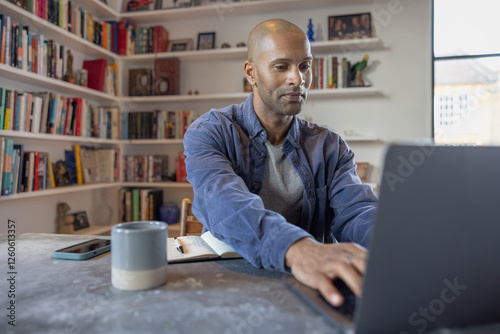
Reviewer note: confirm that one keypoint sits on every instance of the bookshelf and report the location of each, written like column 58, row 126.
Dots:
column 202, row 102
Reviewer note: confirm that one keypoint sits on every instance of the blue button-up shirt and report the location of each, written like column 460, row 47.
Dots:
column 225, row 163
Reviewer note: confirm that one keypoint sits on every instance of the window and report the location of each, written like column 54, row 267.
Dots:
column 466, row 72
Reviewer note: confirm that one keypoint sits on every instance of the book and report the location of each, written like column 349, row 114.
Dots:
column 96, row 73
column 7, row 167
column 198, row 248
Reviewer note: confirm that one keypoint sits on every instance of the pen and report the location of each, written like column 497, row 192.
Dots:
column 178, row 245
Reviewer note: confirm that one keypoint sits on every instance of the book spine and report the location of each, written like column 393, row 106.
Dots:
column 7, row 167
column 78, row 164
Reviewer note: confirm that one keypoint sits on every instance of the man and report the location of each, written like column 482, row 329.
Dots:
column 273, row 186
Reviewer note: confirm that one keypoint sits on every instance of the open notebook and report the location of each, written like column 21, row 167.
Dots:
column 198, row 248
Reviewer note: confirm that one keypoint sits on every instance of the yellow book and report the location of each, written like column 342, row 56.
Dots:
column 78, row 163
column 51, row 182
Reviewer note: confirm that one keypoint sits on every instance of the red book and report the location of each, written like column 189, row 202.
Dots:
column 78, row 120
column 160, row 39
column 122, row 36
column 36, row 170
column 96, row 73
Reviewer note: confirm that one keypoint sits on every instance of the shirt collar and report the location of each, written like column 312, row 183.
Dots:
column 255, row 127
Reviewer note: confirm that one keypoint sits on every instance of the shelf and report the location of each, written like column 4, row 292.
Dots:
column 349, row 45
column 347, row 92
column 58, row 191
column 94, row 230
column 221, row 10
column 152, row 141
column 186, row 98
column 63, row 138
column 195, row 55
column 314, row 93
column 346, row 45
column 156, row 184
column 60, row 86
column 51, row 31
column 361, row 139
column 100, row 9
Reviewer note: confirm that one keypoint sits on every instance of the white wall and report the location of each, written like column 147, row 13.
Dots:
column 400, row 69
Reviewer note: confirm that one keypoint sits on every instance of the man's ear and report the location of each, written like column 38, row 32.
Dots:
column 250, row 72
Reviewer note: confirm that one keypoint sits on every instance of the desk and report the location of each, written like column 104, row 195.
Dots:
column 223, row 297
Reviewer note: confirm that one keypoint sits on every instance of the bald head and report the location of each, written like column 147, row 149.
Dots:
column 259, row 34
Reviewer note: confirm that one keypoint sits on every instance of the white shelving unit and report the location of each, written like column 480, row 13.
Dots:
column 90, row 50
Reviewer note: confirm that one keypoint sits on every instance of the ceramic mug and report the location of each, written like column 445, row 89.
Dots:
column 139, row 255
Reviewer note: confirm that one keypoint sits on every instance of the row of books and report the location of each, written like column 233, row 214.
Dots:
column 23, row 171
column 75, row 19
column 26, row 171
column 139, row 40
column 23, row 49
column 139, row 204
column 158, row 124
column 153, row 168
column 45, row 112
column 145, row 168
column 30, row 52
column 331, row 72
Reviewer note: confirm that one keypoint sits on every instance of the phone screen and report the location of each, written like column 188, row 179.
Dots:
column 87, row 246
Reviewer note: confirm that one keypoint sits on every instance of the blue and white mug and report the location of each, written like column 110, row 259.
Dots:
column 139, row 255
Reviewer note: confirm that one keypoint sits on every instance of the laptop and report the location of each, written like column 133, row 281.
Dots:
column 435, row 247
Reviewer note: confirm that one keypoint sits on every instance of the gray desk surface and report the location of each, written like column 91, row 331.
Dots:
column 223, row 297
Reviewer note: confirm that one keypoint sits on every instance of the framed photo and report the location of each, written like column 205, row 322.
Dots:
column 349, row 26
column 180, row 45
column 206, row 40
column 136, row 5
column 80, row 220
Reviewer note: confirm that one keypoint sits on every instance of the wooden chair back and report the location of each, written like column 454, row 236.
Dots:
column 189, row 224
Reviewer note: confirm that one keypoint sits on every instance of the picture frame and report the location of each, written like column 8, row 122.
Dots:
column 349, row 26
column 206, row 41
column 137, row 5
column 180, row 45
column 80, row 220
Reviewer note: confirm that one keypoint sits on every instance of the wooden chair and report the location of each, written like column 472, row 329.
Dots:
column 189, row 224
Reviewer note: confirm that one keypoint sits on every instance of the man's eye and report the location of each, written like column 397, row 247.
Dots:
column 280, row 67
column 305, row 66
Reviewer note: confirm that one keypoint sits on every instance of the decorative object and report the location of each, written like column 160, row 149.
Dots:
column 206, row 40
column 180, row 45
column 170, row 213
column 362, row 171
column 136, row 5
column 64, row 220
column 310, row 31
column 167, row 76
column 83, row 77
column 225, row 46
column 68, row 76
column 139, row 82
column 247, row 88
column 80, row 220
column 241, row 45
column 349, row 26
column 356, row 70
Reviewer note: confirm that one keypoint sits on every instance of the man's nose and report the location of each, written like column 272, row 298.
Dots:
column 296, row 77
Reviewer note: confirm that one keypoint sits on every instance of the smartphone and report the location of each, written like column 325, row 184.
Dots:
column 84, row 250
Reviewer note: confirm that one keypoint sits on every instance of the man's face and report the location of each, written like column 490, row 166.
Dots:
column 283, row 69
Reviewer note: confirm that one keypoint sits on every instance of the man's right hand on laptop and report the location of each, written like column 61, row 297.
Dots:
column 317, row 265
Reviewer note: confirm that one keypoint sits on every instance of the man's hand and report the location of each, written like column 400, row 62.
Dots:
column 316, row 265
